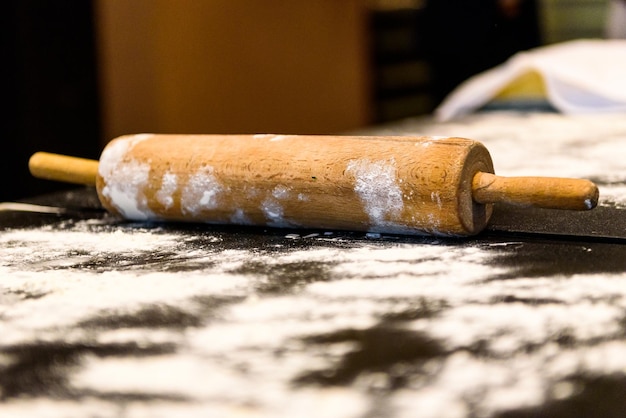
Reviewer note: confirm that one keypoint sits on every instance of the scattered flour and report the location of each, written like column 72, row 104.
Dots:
column 542, row 144
column 375, row 184
column 202, row 192
column 501, row 350
column 169, row 185
column 273, row 211
column 239, row 349
column 280, row 192
column 239, row 218
column 124, row 181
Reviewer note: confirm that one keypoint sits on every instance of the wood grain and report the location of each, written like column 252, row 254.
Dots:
column 541, row 192
column 395, row 184
column 386, row 184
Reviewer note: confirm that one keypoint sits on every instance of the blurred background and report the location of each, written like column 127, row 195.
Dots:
column 77, row 73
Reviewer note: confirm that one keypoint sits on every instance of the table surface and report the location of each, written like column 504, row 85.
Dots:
column 105, row 318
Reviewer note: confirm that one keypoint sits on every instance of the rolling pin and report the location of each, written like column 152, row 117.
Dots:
column 404, row 185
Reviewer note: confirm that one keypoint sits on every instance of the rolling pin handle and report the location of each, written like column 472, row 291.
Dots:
column 541, row 192
column 45, row 165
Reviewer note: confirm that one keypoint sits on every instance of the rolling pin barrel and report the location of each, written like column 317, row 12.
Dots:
column 407, row 185
column 401, row 185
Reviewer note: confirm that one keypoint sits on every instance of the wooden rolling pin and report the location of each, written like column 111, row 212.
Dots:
column 407, row 185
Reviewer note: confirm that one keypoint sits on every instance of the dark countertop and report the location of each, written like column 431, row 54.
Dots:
column 101, row 317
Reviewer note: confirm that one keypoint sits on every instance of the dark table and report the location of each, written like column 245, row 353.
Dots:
column 106, row 318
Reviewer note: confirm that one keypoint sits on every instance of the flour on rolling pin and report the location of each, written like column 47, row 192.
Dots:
column 407, row 185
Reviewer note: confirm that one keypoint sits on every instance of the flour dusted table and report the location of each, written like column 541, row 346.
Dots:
column 105, row 318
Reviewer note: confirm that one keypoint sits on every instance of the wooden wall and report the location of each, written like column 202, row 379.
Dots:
column 226, row 66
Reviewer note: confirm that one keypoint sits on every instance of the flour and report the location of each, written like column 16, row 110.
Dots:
column 169, row 185
column 124, row 187
column 542, row 144
column 201, row 192
column 273, row 211
column 124, row 180
column 375, row 184
column 238, row 349
column 508, row 336
column 280, row 192
column 436, row 197
column 85, row 237
column 239, row 218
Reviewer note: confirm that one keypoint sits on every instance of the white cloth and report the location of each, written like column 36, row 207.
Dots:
column 584, row 76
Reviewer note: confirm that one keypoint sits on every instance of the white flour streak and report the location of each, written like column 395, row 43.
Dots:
column 224, row 397
column 74, row 296
column 201, row 192
column 124, row 187
column 613, row 194
column 273, row 209
column 125, row 180
column 435, row 197
column 169, row 185
column 280, row 192
column 273, row 212
column 239, row 218
column 375, row 184
column 50, row 243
